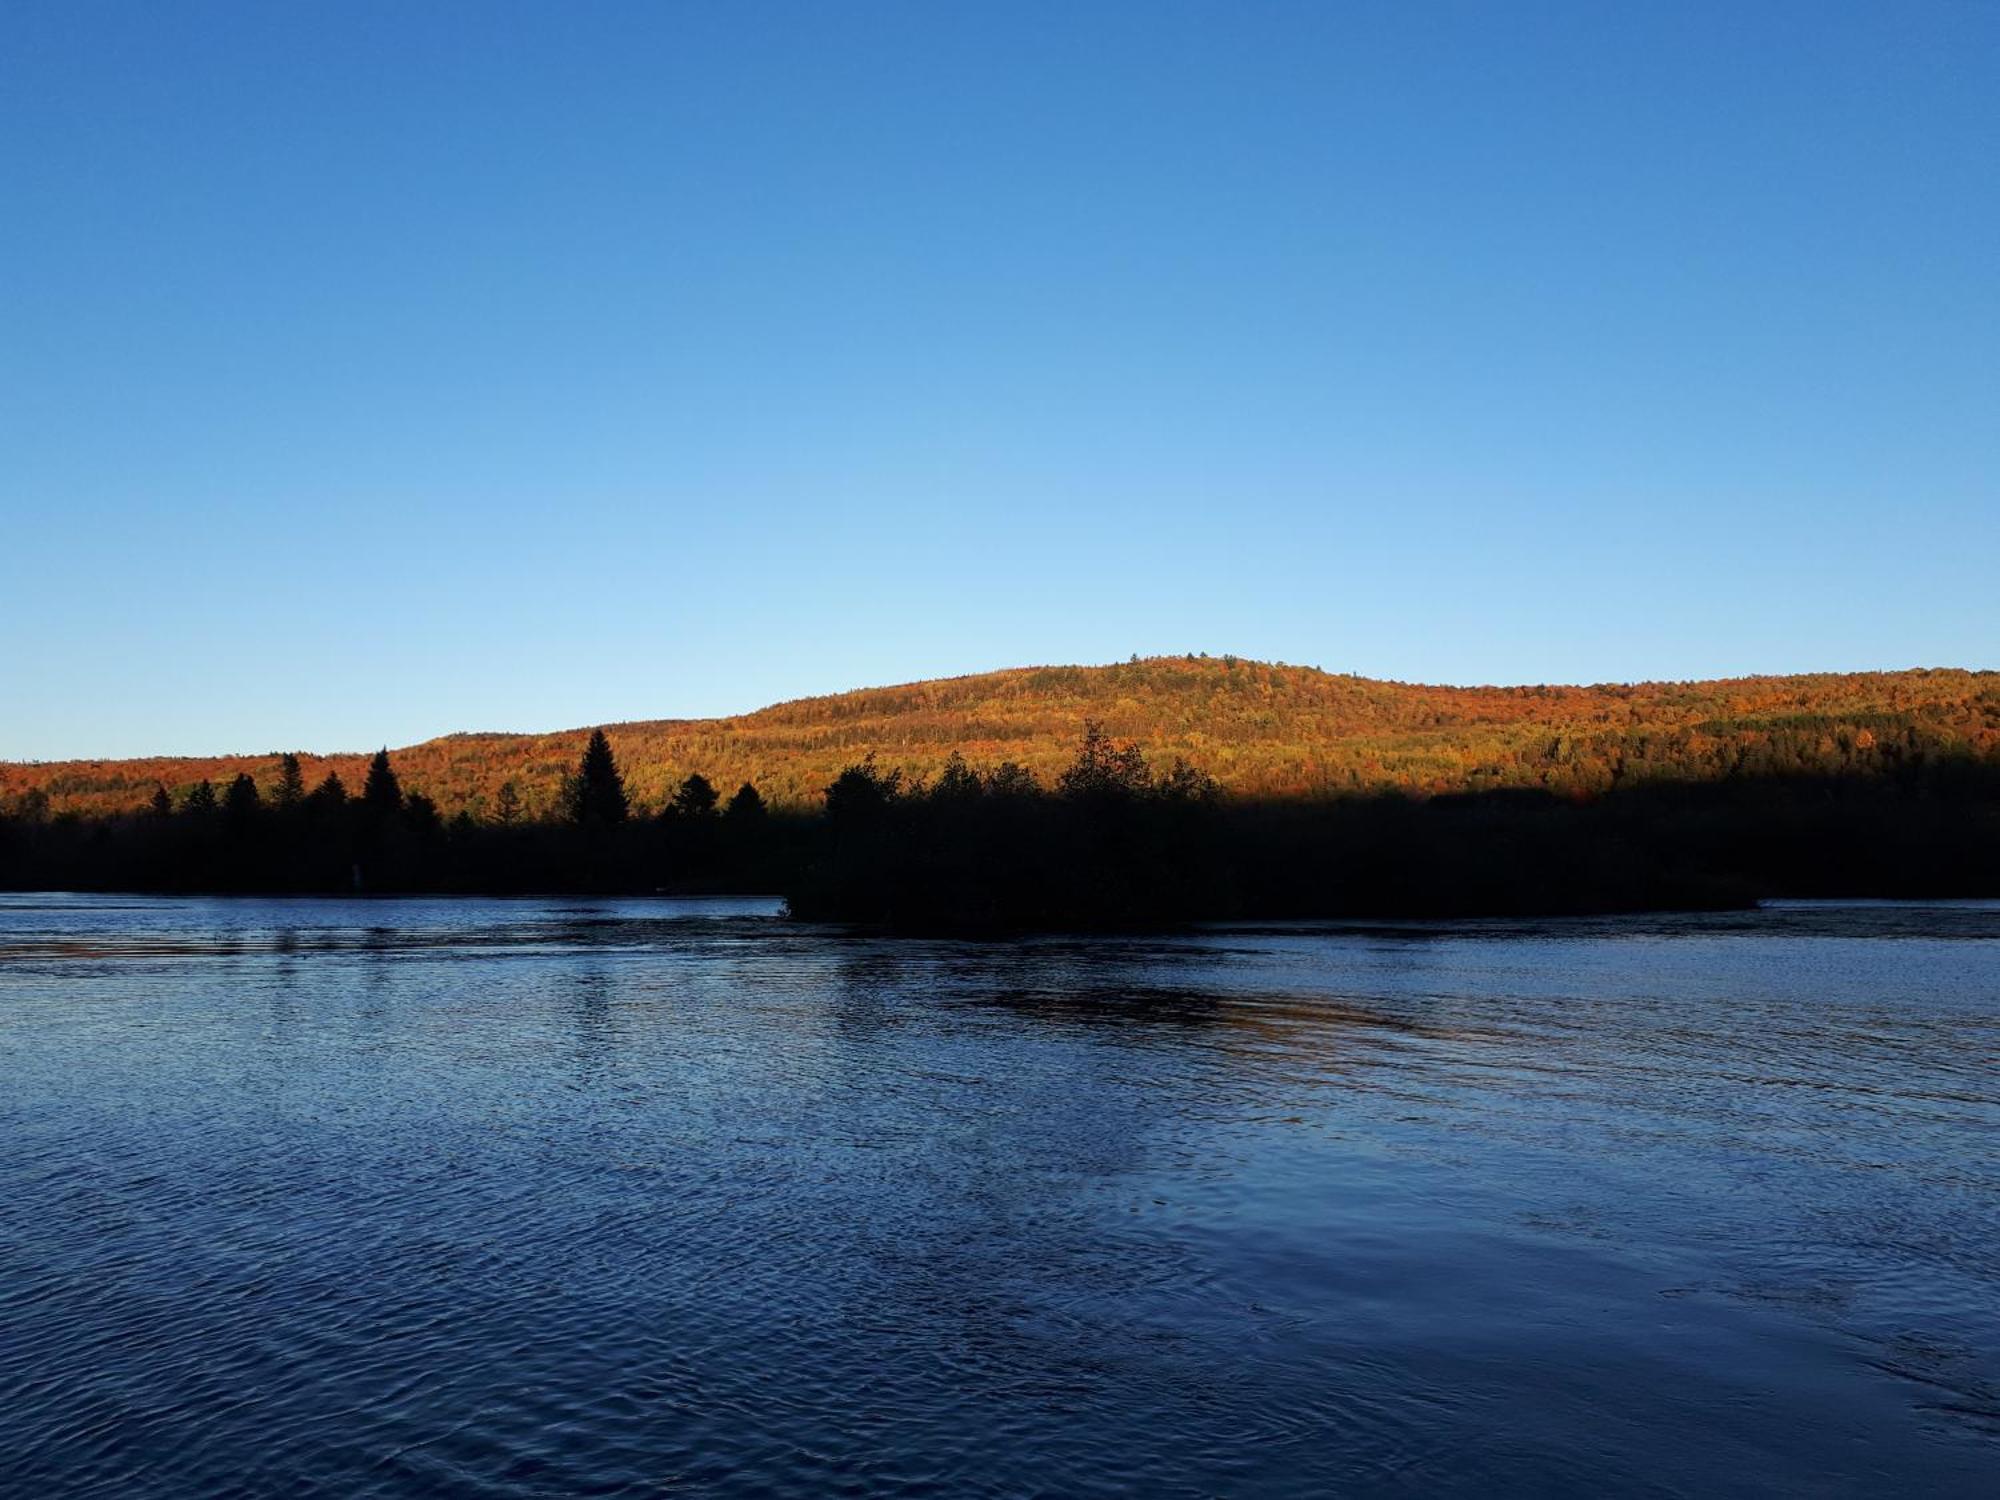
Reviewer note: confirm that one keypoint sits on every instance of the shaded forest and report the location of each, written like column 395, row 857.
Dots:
column 1112, row 840
column 1262, row 731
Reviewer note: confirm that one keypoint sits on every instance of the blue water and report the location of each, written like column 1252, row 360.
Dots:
column 554, row 1198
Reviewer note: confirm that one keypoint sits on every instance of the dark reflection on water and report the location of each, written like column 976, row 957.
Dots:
column 522, row 1198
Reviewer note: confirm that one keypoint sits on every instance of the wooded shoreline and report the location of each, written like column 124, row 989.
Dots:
column 1114, row 843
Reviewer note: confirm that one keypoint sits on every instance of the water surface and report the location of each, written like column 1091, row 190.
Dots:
column 552, row 1198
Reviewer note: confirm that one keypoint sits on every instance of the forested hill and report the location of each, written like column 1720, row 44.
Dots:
column 1260, row 729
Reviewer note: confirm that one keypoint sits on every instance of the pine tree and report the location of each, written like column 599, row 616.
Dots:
column 862, row 793
column 291, row 788
column 381, row 792
column 241, row 801
column 162, row 805
column 746, row 809
column 200, row 799
column 1104, row 771
column 696, row 799
column 508, row 806
column 597, row 792
column 331, row 794
column 420, row 816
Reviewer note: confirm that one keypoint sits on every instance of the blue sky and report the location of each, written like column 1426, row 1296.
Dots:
column 373, row 371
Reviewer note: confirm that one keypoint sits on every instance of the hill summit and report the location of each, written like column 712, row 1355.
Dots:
column 1261, row 729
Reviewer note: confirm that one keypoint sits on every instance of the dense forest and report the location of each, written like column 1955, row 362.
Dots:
column 1262, row 731
column 1111, row 840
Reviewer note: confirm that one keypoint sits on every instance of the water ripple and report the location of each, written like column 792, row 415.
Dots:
column 534, row 1199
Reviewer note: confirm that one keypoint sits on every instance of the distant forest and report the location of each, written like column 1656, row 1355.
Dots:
column 1871, row 804
column 1262, row 731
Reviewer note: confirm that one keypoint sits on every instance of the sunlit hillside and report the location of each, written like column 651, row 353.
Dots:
column 1260, row 729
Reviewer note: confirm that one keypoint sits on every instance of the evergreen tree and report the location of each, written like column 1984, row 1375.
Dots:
column 291, row 788
column 162, row 806
column 597, row 792
column 745, row 829
column 381, row 792
column 420, row 814
column 241, row 801
column 861, row 793
column 1103, row 771
column 330, row 795
column 508, row 806
column 695, row 800
column 746, row 809
column 200, row 800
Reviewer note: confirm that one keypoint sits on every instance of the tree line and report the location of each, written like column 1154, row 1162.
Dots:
column 387, row 838
column 1263, row 731
column 1110, row 841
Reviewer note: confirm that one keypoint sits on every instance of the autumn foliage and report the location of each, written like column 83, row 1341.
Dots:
column 1262, row 731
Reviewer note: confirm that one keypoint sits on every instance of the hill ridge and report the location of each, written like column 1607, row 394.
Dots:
column 1262, row 728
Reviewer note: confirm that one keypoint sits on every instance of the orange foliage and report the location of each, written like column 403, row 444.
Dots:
column 1260, row 729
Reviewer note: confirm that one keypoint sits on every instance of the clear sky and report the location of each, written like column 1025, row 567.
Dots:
column 373, row 371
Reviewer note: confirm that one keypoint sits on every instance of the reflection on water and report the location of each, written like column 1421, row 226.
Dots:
column 547, row 1198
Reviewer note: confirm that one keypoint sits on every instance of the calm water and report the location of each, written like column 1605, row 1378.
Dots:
column 471, row 1198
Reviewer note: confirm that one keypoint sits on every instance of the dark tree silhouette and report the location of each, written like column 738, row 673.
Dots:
column 957, row 782
column 420, row 815
column 1011, row 780
column 597, row 791
column 1821, row 806
column 861, row 793
column 695, row 799
column 1104, row 771
column 382, row 792
column 1182, row 782
column 291, row 788
column 241, row 801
